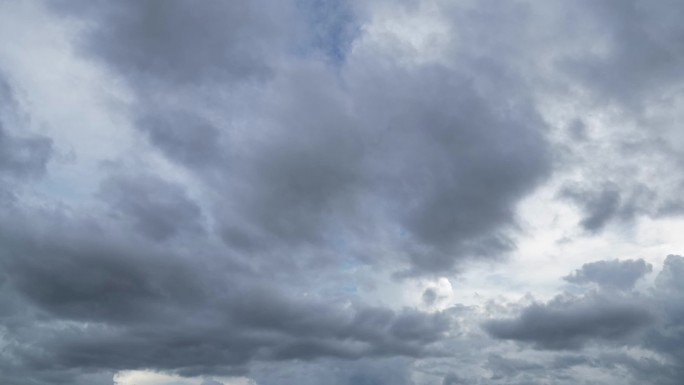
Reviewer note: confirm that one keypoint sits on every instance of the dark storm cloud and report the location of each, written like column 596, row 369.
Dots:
column 116, row 306
column 471, row 160
column 570, row 323
column 611, row 274
column 154, row 207
column 417, row 167
column 315, row 152
column 443, row 155
column 320, row 170
column 186, row 137
column 291, row 186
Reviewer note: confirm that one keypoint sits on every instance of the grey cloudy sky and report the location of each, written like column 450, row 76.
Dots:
column 405, row 192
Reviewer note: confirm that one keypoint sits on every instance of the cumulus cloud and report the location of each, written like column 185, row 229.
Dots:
column 315, row 150
column 611, row 274
column 120, row 306
column 600, row 324
column 279, row 173
column 569, row 323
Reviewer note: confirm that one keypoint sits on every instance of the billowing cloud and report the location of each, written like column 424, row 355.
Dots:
column 568, row 323
column 340, row 192
column 611, row 274
column 601, row 324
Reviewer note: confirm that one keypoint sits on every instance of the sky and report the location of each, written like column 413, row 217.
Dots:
column 307, row 192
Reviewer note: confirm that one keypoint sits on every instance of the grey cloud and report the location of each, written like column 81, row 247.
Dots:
column 623, row 59
column 668, row 336
column 451, row 199
column 186, row 137
column 414, row 167
column 211, row 382
column 609, row 202
column 12, row 377
column 642, row 54
column 178, row 58
column 112, row 284
column 429, row 296
column 372, row 371
column 452, row 379
column 669, row 277
column 20, row 155
column 578, row 130
column 183, row 43
column 332, row 27
column 305, row 176
column 603, row 323
column 316, row 152
column 154, row 207
column 570, row 323
column 23, row 156
column 318, row 157
column 134, row 307
column 502, row 367
column 599, row 207
column 611, row 274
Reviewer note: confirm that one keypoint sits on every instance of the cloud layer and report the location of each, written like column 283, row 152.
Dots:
column 297, row 191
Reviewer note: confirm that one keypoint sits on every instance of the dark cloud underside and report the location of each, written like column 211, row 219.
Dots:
column 276, row 162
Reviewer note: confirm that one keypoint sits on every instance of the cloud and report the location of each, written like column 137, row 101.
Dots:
column 570, row 323
column 211, row 382
column 182, row 43
column 300, row 150
column 503, row 367
column 24, row 155
column 600, row 324
column 285, row 165
column 115, row 305
column 452, row 379
column 640, row 55
column 154, row 207
column 611, row 274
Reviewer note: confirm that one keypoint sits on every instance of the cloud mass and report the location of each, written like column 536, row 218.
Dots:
column 309, row 191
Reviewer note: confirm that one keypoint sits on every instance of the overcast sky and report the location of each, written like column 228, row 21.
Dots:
column 341, row 192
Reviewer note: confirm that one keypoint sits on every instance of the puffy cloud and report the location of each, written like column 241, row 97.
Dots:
column 298, row 150
column 288, row 158
column 115, row 305
column 611, row 274
column 599, row 325
column 569, row 323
